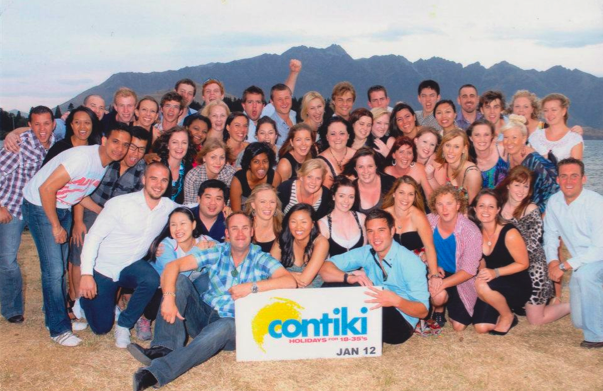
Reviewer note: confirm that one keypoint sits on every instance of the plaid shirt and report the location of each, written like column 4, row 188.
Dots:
column 198, row 175
column 16, row 169
column 113, row 185
column 257, row 266
column 430, row 120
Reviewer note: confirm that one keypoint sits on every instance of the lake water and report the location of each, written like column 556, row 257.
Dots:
column 593, row 161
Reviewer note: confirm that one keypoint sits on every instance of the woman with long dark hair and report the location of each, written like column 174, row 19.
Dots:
column 82, row 128
column 343, row 226
column 296, row 149
column 301, row 248
column 403, row 121
column 176, row 151
column 487, row 153
column 517, row 207
column 402, row 161
column 237, row 126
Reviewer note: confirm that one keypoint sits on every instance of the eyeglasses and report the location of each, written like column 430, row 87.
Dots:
column 140, row 150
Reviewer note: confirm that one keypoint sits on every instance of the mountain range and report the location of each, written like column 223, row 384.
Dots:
column 323, row 68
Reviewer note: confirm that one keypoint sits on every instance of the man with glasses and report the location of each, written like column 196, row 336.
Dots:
column 404, row 297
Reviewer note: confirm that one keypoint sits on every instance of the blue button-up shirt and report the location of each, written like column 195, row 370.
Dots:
column 223, row 275
column 406, row 273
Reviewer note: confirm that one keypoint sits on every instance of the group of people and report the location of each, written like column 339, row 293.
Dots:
column 158, row 213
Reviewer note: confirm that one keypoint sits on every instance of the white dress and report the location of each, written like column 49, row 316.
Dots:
column 561, row 148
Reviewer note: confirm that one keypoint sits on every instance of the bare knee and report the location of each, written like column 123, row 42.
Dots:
column 482, row 328
column 456, row 326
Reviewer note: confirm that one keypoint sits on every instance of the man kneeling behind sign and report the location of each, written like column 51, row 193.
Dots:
column 402, row 274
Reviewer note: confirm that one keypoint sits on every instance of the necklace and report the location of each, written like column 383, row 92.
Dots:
column 489, row 242
column 339, row 162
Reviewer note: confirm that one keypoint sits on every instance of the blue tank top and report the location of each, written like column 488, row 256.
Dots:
column 446, row 250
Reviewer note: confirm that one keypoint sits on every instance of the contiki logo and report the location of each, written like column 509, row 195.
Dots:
column 283, row 319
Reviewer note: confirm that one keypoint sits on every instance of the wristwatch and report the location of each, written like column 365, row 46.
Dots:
column 254, row 287
column 562, row 267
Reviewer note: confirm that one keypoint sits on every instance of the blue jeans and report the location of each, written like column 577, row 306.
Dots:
column 53, row 263
column 11, row 282
column 100, row 311
column 209, row 331
column 586, row 300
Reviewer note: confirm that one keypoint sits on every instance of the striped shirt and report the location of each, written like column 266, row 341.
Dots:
column 16, row 169
column 223, row 275
column 468, row 254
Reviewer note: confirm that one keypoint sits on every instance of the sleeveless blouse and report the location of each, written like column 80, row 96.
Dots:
column 336, row 248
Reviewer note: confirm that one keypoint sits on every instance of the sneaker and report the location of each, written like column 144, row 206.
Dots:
column 422, row 329
column 434, row 327
column 143, row 329
column 122, row 337
column 439, row 318
column 78, row 325
column 67, row 339
column 591, row 345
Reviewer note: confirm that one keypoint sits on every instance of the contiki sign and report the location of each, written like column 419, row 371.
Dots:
column 293, row 324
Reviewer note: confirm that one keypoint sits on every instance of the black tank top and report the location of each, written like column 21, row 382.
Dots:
column 411, row 240
column 500, row 257
column 242, row 177
column 329, row 165
column 295, row 165
column 266, row 246
column 334, row 247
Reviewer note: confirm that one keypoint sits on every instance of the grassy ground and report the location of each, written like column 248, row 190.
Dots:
column 529, row 358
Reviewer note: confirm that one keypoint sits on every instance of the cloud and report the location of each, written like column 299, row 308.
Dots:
column 568, row 39
column 393, row 34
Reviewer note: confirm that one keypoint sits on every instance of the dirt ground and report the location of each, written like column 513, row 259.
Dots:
column 529, row 358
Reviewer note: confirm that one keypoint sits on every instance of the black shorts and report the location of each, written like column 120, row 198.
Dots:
column 455, row 306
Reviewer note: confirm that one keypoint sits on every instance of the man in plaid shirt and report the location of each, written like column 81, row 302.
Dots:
column 16, row 169
column 236, row 269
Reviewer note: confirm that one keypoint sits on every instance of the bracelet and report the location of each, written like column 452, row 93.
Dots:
column 496, row 273
column 169, row 294
column 345, row 278
column 434, row 276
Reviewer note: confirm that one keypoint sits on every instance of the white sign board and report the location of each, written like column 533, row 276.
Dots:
column 291, row 324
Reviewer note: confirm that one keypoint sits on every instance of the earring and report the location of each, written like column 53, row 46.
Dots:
column 393, row 162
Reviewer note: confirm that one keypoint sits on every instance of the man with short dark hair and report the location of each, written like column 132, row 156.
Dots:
column 187, row 89
column 429, row 95
column 576, row 215
column 172, row 107
column 468, row 99
column 113, row 253
column 236, row 269
column 16, row 169
column 492, row 105
column 213, row 196
column 253, row 103
column 47, row 200
column 405, row 298
column 377, row 97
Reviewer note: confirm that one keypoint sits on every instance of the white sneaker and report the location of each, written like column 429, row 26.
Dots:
column 67, row 339
column 122, row 337
column 79, row 325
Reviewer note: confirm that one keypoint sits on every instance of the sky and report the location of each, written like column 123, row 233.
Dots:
column 51, row 51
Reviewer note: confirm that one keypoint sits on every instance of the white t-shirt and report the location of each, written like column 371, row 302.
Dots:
column 85, row 169
column 561, row 148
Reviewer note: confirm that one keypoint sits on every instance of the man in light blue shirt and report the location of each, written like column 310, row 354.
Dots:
column 405, row 298
column 576, row 215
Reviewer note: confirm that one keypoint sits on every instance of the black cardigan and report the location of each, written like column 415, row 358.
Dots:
column 284, row 194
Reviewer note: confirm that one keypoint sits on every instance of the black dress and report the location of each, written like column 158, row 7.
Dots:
column 411, row 240
column 334, row 247
column 516, row 288
column 387, row 181
column 295, row 165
